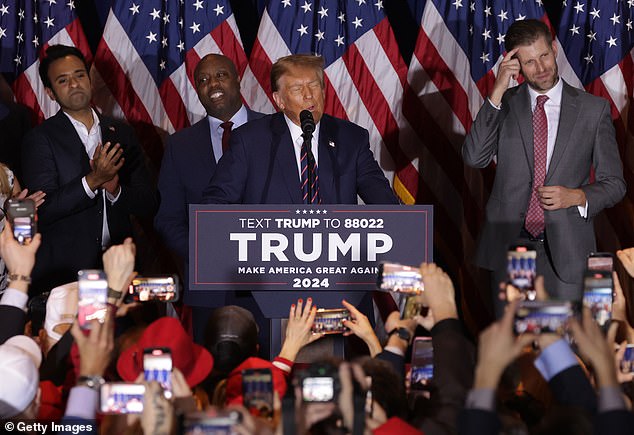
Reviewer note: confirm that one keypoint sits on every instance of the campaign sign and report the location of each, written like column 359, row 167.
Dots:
column 303, row 247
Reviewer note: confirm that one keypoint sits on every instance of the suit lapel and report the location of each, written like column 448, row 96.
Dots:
column 285, row 156
column 327, row 150
column 520, row 106
column 204, row 149
column 66, row 136
column 568, row 114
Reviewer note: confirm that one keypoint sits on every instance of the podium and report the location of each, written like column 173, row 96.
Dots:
column 285, row 252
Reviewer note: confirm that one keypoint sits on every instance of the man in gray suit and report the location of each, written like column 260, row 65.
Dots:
column 545, row 148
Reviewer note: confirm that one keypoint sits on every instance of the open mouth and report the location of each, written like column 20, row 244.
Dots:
column 216, row 95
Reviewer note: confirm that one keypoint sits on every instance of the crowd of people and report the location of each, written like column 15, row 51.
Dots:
column 136, row 367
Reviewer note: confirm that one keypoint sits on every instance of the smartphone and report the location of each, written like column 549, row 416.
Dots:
column 330, row 321
column 157, row 366
column 521, row 269
column 601, row 261
column 21, row 214
column 413, row 306
column 92, row 296
column 422, row 369
column 544, row 317
column 257, row 392
column 319, row 383
column 153, row 288
column 598, row 290
column 627, row 363
column 122, row 398
column 211, row 422
column 399, row 278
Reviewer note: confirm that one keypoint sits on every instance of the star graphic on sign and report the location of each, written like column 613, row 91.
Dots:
column 574, row 30
column 319, row 35
column 611, row 41
column 151, row 37
column 162, row 65
column 588, row 58
column 297, row 212
column 357, row 22
column 342, row 17
column 49, row 22
column 484, row 57
column 312, row 211
column 595, row 13
column 134, row 9
column 195, row 27
column 3, row 33
column 303, row 30
column 304, row 211
column 503, row 15
column 155, row 14
column 339, row 40
column 500, row 38
column 164, row 41
column 286, row 3
column 71, row 4
column 579, row 7
column 180, row 46
column 592, row 36
column 219, row 9
column 486, row 34
column 20, row 37
column 324, row 211
column 198, row 4
column 4, row 9
column 615, row 19
column 306, row 7
column 379, row 4
column 457, row 4
column 323, row 12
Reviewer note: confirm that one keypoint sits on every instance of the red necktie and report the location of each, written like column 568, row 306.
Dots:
column 535, row 216
column 226, row 127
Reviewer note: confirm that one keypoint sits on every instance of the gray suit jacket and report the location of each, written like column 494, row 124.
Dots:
column 585, row 139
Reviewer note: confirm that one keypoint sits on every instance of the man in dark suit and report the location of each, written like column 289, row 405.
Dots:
column 92, row 170
column 190, row 161
column 545, row 148
column 263, row 165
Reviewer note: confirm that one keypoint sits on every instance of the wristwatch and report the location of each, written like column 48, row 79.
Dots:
column 92, row 382
column 403, row 334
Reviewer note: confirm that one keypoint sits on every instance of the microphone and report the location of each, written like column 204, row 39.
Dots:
column 307, row 122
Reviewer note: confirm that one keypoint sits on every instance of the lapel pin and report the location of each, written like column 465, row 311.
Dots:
column 111, row 128
column 331, row 144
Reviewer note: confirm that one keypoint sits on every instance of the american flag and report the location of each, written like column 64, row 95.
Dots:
column 27, row 28
column 364, row 71
column 452, row 70
column 597, row 38
column 145, row 62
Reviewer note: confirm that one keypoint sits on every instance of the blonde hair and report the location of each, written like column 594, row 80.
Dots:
column 5, row 185
column 283, row 65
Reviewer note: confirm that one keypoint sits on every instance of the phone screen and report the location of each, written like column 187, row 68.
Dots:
column 601, row 261
column 330, row 321
column 422, row 371
column 158, row 288
column 597, row 295
column 318, row 389
column 399, row 278
column 257, row 392
column 522, row 269
column 93, row 295
column 22, row 216
column 543, row 317
column 157, row 366
column 122, row 398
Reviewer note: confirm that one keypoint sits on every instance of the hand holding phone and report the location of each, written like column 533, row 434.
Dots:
column 522, row 269
column 23, row 219
column 92, row 297
column 399, row 278
column 330, row 321
column 257, row 392
column 157, row 366
column 422, row 367
column 153, row 288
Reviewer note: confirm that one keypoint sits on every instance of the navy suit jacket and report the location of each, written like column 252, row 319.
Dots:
column 187, row 166
column 55, row 161
column 260, row 166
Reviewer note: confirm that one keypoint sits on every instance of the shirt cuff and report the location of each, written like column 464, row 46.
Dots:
column 283, row 364
column 82, row 403
column 14, row 298
column 610, row 399
column 481, row 398
column 91, row 193
column 493, row 105
column 555, row 359
column 583, row 211
column 112, row 198
column 394, row 349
